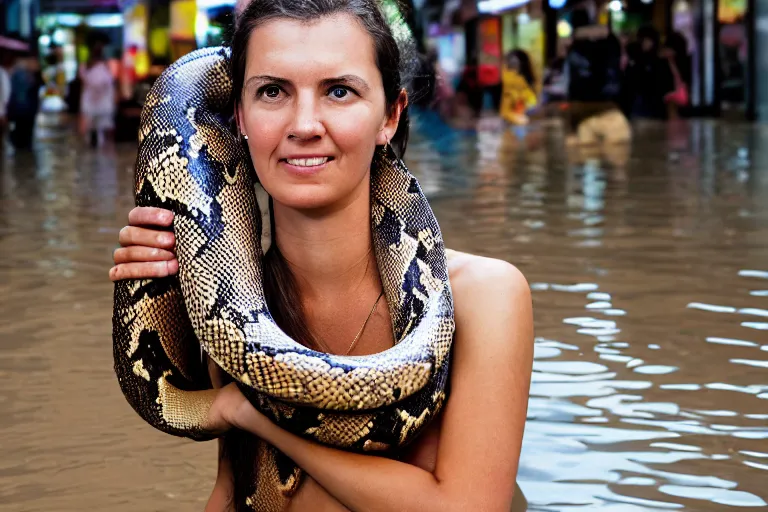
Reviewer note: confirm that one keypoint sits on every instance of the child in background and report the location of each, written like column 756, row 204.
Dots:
column 518, row 88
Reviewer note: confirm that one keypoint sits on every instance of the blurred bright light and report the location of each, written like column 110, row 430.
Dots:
column 104, row 20
column 556, row 4
column 201, row 27
column 59, row 37
column 523, row 18
column 210, row 4
column 45, row 40
column 615, row 5
column 564, row 29
column 69, row 20
column 486, row 6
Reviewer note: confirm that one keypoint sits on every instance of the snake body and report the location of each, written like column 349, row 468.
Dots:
column 190, row 162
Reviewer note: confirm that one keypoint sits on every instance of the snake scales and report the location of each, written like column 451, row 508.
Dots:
column 190, row 162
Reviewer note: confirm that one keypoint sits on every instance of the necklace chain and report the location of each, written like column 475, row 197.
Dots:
column 359, row 333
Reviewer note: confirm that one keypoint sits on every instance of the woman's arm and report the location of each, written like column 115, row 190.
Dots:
column 483, row 421
column 223, row 490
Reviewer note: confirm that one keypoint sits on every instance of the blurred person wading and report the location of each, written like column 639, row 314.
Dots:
column 593, row 82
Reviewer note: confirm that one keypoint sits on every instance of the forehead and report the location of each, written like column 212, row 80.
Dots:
column 330, row 46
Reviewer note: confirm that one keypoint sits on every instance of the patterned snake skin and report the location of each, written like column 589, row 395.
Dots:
column 190, row 162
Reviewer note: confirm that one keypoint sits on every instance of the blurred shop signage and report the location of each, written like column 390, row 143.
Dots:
column 489, row 52
column 135, row 25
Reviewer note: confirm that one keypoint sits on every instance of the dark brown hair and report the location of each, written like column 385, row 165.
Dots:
column 395, row 59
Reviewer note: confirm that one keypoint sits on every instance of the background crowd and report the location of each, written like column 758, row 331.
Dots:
column 597, row 85
column 91, row 97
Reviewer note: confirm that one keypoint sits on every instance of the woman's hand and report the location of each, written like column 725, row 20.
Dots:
column 230, row 409
column 147, row 248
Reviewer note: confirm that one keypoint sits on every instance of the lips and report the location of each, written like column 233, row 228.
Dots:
column 308, row 162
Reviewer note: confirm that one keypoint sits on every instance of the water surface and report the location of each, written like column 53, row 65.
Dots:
column 650, row 275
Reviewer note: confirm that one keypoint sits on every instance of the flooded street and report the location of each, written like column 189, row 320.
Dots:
column 649, row 267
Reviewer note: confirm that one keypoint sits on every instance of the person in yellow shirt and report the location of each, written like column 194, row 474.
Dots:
column 518, row 88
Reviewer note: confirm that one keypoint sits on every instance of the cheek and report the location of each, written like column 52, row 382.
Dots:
column 265, row 130
column 354, row 130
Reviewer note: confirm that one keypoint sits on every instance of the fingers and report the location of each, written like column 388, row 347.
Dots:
column 132, row 235
column 150, row 216
column 141, row 254
column 150, row 270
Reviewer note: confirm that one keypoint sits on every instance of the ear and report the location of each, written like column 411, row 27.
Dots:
column 389, row 127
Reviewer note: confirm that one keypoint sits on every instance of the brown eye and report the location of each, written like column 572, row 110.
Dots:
column 271, row 91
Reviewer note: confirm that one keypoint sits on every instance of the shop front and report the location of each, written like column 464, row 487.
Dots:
column 761, row 60
column 62, row 47
column 722, row 37
column 523, row 29
column 214, row 20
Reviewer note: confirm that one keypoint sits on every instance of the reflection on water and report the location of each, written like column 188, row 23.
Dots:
column 649, row 267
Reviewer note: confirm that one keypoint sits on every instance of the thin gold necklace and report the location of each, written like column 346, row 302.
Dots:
column 359, row 333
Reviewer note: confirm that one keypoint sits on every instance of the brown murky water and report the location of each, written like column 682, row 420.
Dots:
column 650, row 277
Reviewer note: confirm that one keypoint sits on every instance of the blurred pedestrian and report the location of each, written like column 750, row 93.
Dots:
column 5, row 96
column 24, row 103
column 469, row 95
column 649, row 77
column 676, row 53
column 593, row 77
column 554, row 82
column 518, row 84
column 98, row 95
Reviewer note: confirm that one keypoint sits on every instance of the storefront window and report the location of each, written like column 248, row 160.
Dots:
column 733, row 47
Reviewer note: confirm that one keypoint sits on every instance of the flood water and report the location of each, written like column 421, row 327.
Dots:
column 649, row 268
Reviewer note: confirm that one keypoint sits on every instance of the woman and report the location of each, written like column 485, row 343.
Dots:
column 98, row 95
column 316, row 91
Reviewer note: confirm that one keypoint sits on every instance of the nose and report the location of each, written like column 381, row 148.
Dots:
column 307, row 124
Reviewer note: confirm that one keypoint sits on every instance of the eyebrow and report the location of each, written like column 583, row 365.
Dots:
column 350, row 80
column 265, row 78
column 353, row 81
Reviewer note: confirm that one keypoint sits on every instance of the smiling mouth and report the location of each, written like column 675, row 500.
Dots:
column 308, row 162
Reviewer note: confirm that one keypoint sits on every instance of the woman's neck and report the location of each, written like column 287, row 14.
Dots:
column 329, row 253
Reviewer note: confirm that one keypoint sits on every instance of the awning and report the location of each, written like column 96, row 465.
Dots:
column 13, row 44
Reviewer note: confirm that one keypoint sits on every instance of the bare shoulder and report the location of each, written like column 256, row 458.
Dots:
column 472, row 277
column 492, row 299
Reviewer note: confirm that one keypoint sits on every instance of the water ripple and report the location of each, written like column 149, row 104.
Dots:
column 647, row 270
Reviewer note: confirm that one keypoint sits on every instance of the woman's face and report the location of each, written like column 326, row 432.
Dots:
column 313, row 108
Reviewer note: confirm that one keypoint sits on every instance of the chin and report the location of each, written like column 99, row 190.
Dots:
column 307, row 197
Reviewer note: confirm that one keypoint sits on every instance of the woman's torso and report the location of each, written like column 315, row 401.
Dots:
column 376, row 338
